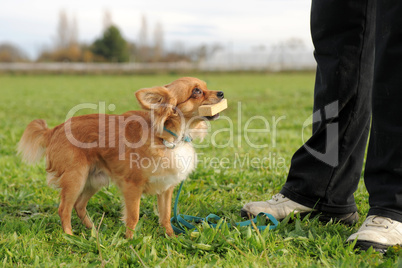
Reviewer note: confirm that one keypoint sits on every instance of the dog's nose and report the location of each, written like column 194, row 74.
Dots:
column 220, row 94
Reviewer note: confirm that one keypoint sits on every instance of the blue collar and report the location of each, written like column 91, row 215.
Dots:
column 185, row 138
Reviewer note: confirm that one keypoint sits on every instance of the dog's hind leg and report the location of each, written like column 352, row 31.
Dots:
column 93, row 184
column 72, row 183
column 81, row 204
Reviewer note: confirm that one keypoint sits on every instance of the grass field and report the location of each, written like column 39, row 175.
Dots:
column 30, row 230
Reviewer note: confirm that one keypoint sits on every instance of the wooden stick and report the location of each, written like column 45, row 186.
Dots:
column 213, row 109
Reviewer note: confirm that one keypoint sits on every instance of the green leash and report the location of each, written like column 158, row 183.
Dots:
column 180, row 223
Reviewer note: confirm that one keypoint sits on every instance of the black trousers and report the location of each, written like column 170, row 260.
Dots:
column 358, row 91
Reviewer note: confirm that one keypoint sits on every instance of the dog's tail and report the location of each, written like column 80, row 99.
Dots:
column 34, row 141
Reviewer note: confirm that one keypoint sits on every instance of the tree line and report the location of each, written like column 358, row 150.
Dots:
column 111, row 46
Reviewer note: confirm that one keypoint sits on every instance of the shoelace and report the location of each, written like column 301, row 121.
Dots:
column 277, row 197
column 375, row 223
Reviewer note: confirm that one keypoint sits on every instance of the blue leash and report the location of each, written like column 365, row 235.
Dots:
column 185, row 138
column 180, row 223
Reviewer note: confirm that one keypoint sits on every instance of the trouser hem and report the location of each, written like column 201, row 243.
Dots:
column 388, row 213
column 316, row 204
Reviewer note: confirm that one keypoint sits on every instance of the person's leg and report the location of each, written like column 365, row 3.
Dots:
column 325, row 171
column 344, row 50
column 383, row 172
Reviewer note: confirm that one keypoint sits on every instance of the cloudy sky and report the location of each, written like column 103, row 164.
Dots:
column 237, row 24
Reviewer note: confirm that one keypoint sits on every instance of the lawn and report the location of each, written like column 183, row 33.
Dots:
column 245, row 158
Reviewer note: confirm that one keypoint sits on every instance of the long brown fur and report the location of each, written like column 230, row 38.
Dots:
column 85, row 151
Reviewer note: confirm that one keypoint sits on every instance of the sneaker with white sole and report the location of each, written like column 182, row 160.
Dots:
column 280, row 207
column 378, row 232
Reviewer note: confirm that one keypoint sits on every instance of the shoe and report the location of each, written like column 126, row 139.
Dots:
column 378, row 232
column 280, row 207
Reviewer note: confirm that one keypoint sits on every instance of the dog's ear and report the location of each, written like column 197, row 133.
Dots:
column 160, row 101
column 151, row 97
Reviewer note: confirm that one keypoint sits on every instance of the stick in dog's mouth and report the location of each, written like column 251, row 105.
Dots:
column 211, row 112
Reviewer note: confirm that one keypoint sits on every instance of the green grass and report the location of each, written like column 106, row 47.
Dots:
column 30, row 230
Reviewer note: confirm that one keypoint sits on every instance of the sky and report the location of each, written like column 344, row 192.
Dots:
column 240, row 25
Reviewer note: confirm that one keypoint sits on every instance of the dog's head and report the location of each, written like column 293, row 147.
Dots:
column 181, row 98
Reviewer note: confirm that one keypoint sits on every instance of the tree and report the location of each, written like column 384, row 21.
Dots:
column 11, row 53
column 204, row 51
column 73, row 32
column 62, row 31
column 107, row 19
column 67, row 48
column 158, row 42
column 143, row 46
column 112, row 46
column 67, row 31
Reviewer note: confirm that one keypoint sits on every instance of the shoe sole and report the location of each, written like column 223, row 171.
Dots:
column 365, row 245
column 347, row 219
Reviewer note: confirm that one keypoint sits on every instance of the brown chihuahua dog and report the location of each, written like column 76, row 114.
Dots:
column 143, row 152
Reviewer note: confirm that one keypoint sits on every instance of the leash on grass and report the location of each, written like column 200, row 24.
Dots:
column 180, row 223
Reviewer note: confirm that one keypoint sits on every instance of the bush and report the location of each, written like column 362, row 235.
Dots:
column 72, row 53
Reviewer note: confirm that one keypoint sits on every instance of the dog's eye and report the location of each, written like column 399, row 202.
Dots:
column 197, row 91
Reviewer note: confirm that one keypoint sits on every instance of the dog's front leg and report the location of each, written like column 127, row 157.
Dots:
column 165, row 210
column 132, row 197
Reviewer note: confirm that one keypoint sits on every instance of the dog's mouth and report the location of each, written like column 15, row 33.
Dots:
column 212, row 118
